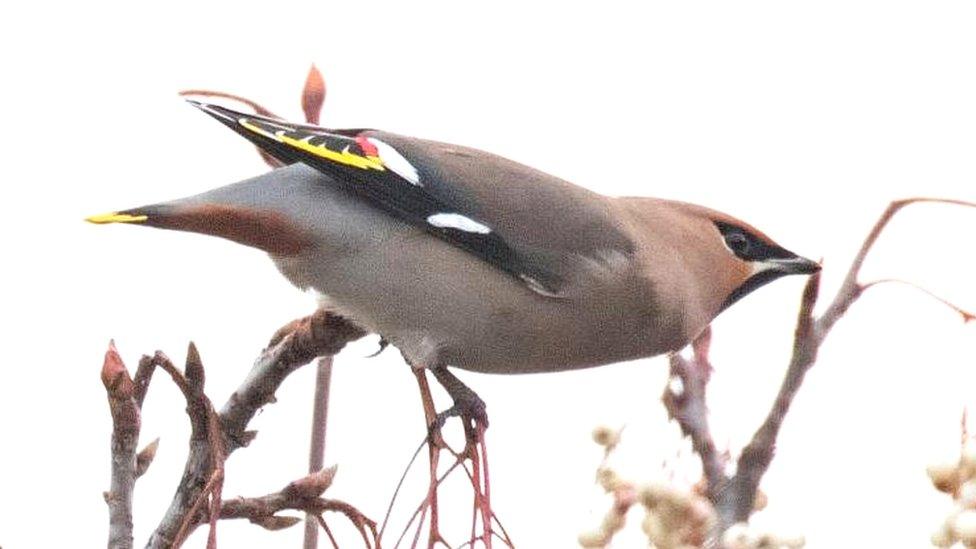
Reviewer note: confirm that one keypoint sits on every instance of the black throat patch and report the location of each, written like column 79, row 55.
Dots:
column 752, row 283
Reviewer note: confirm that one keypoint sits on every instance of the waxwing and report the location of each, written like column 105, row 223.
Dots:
column 460, row 257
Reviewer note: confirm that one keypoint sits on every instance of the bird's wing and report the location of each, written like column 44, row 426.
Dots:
column 525, row 222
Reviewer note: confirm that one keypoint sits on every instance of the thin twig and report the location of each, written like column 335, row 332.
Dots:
column 967, row 316
column 424, row 504
column 399, row 486
column 684, row 399
column 316, row 458
column 142, row 378
column 259, row 109
column 328, row 532
column 850, row 289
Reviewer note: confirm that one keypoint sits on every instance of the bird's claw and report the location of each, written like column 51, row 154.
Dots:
column 472, row 411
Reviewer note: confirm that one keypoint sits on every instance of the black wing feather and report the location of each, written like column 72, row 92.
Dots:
column 350, row 163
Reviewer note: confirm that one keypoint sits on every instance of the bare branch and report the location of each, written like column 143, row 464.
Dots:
column 125, row 437
column 320, row 334
column 205, row 429
column 301, row 495
column 735, row 502
column 684, row 399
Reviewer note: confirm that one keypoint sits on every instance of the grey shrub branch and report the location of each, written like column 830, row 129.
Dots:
column 297, row 344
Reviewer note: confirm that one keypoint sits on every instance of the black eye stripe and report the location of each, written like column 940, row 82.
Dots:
column 747, row 246
column 737, row 242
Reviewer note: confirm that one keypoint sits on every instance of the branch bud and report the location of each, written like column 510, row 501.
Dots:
column 313, row 95
column 145, row 457
column 275, row 522
column 115, row 376
column 312, row 485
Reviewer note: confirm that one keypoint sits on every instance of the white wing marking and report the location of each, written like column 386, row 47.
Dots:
column 395, row 161
column 457, row 221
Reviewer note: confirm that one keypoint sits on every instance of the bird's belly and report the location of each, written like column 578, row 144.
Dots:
column 441, row 305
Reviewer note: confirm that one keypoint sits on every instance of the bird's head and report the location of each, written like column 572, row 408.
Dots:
column 754, row 258
column 706, row 260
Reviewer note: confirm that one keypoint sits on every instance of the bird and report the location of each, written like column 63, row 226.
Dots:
column 463, row 258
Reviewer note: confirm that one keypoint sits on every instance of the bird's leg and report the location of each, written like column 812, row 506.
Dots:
column 473, row 413
column 435, row 443
column 467, row 404
column 471, row 409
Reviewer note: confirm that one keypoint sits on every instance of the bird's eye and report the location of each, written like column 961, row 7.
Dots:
column 738, row 243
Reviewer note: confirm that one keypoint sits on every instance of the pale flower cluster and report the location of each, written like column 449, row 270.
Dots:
column 958, row 479
column 675, row 517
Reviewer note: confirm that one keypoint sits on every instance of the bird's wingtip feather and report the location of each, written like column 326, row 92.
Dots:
column 115, row 217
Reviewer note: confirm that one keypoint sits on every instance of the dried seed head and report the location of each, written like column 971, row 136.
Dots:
column 654, row 529
column 608, row 479
column 701, row 514
column 943, row 537
column 944, row 476
column 613, row 521
column 652, row 495
column 606, row 437
column 761, row 501
column 794, row 542
column 739, row 536
column 967, row 494
column 592, row 540
column 967, row 460
column 964, row 527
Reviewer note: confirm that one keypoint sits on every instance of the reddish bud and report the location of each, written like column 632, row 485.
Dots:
column 313, row 95
column 115, row 376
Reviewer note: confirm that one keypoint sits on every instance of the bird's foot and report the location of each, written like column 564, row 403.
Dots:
column 474, row 416
column 467, row 405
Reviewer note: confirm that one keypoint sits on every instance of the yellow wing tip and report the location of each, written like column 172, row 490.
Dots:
column 115, row 217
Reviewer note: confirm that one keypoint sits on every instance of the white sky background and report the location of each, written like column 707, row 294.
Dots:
column 803, row 119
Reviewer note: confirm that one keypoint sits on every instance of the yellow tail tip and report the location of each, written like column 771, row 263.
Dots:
column 115, row 217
